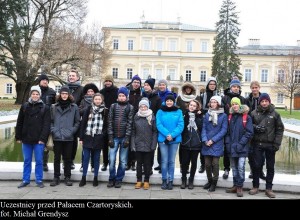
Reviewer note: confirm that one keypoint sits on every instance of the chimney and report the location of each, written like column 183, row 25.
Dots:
column 298, row 43
column 254, row 42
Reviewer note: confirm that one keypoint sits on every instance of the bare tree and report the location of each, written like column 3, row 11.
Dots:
column 287, row 82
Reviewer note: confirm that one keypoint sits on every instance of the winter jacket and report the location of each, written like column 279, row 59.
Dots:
column 33, row 123
column 48, row 95
column 205, row 97
column 65, row 123
column 77, row 92
column 191, row 139
column 144, row 135
column 85, row 103
column 135, row 97
column 226, row 99
column 238, row 137
column 216, row 134
column 97, row 141
column 252, row 102
column 154, row 101
column 274, row 127
column 183, row 105
column 169, row 122
column 110, row 95
column 120, row 120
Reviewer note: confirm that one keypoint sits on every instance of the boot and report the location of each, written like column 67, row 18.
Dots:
column 82, row 181
column 270, row 193
column 231, row 190
column 55, row 181
column 170, row 185
column 95, row 181
column 183, row 183
column 239, row 192
column 164, row 184
column 208, row 184
column 68, row 181
column 213, row 186
column 191, row 183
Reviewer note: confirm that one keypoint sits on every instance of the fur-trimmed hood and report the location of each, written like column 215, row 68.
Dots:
column 91, row 86
column 187, row 84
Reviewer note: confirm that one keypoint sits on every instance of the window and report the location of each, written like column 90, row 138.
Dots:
column 146, row 73
column 247, row 94
column 297, row 76
column 8, row 88
column 189, row 46
column 172, row 45
column 264, row 75
column 204, row 46
column 159, row 44
column 248, row 73
column 172, row 74
column 280, row 98
column 116, row 44
column 147, row 44
column 203, row 76
column 280, row 76
column 129, row 73
column 188, row 75
column 130, row 44
column 159, row 74
column 115, row 72
column 57, row 88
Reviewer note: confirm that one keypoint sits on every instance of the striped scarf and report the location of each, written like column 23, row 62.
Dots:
column 95, row 121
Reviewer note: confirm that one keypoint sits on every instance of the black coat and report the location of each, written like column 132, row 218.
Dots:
column 97, row 141
column 110, row 95
column 33, row 123
column 48, row 95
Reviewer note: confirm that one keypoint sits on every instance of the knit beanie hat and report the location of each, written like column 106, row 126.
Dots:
column 151, row 82
column 163, row 81
column 170, row 96
column 64, row 89
column 236, row 101
column 217, row 98
column 35, row 88
column 42, row 77
column 264, row 96
column 136, row 77
column 144, row 102
column 123, row 90
column 109, row 78
column 235, row 82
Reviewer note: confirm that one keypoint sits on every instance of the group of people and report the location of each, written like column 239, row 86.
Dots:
column 134, row 120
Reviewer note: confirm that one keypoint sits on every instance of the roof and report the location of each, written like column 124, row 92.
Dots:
column 161, row 26
column 274, row 50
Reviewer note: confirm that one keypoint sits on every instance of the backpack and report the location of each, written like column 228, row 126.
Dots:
column 245, row 115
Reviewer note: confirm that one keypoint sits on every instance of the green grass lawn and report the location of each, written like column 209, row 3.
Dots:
column 286, row 114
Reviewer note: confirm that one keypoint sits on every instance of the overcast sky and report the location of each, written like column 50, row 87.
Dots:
column 274, row 22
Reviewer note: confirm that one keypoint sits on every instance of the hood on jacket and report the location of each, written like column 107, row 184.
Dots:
column 208, row 81
column 91, row 86
column 187, row 84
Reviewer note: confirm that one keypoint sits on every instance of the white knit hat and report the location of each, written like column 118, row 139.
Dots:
column 35, row 88
column 217, row 98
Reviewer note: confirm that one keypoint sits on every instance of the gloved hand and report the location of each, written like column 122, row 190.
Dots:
column 111, row 142
column 126, row 142
column 275, row 148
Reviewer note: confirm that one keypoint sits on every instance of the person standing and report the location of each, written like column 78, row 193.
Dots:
column 169, row 122
column 213, row 132
column 76, row 90
column 119, row 132
column 48, row 97
column 92, row 129
column 64, row 126
column 32, row 130
column 143, row 141
column 110, row 94
column 240, row 132
column 268, row 128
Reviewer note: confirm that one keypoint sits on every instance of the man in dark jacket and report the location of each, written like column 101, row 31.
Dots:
column 110, row 93
column 48, row 97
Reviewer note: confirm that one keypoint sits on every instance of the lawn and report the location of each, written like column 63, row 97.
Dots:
column 8, row 105
column 286, row 114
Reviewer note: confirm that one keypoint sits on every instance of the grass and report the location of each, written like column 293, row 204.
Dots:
column 286, row 114
column 8, row 105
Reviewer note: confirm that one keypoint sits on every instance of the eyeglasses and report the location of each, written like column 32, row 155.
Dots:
column 212, row 84
column 136, row 82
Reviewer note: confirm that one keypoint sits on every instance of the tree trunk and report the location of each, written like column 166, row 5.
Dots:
column 22, row 89
column 291, row 102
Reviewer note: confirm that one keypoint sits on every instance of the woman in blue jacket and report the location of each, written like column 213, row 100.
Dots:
column 169, row 122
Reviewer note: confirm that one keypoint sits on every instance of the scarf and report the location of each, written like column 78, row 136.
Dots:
column 146, row 114
column 73, row 86
column 188, row 98
column 64, row 103
column 169, row 109
column 192, row 123
column 34, row 102
column 95, row 121
column 213, row 115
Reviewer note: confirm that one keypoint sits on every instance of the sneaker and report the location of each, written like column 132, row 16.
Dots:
column 23, row 184
column 226, row 174
column 104, row 167
column 201, row 169
column 270, row 193
column 45, row 168
column 40, row 184
column 81, row 169
column 118, row 184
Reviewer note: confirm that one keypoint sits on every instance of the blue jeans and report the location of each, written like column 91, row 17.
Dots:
column 168, row 154
column 123, row 153
column 38, row 150
column 238, row 170
column 86, row 159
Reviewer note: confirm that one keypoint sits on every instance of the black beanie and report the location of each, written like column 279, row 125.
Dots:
column 170, row 96
column 64, row 89
column 151, row 82
column 42, row 77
